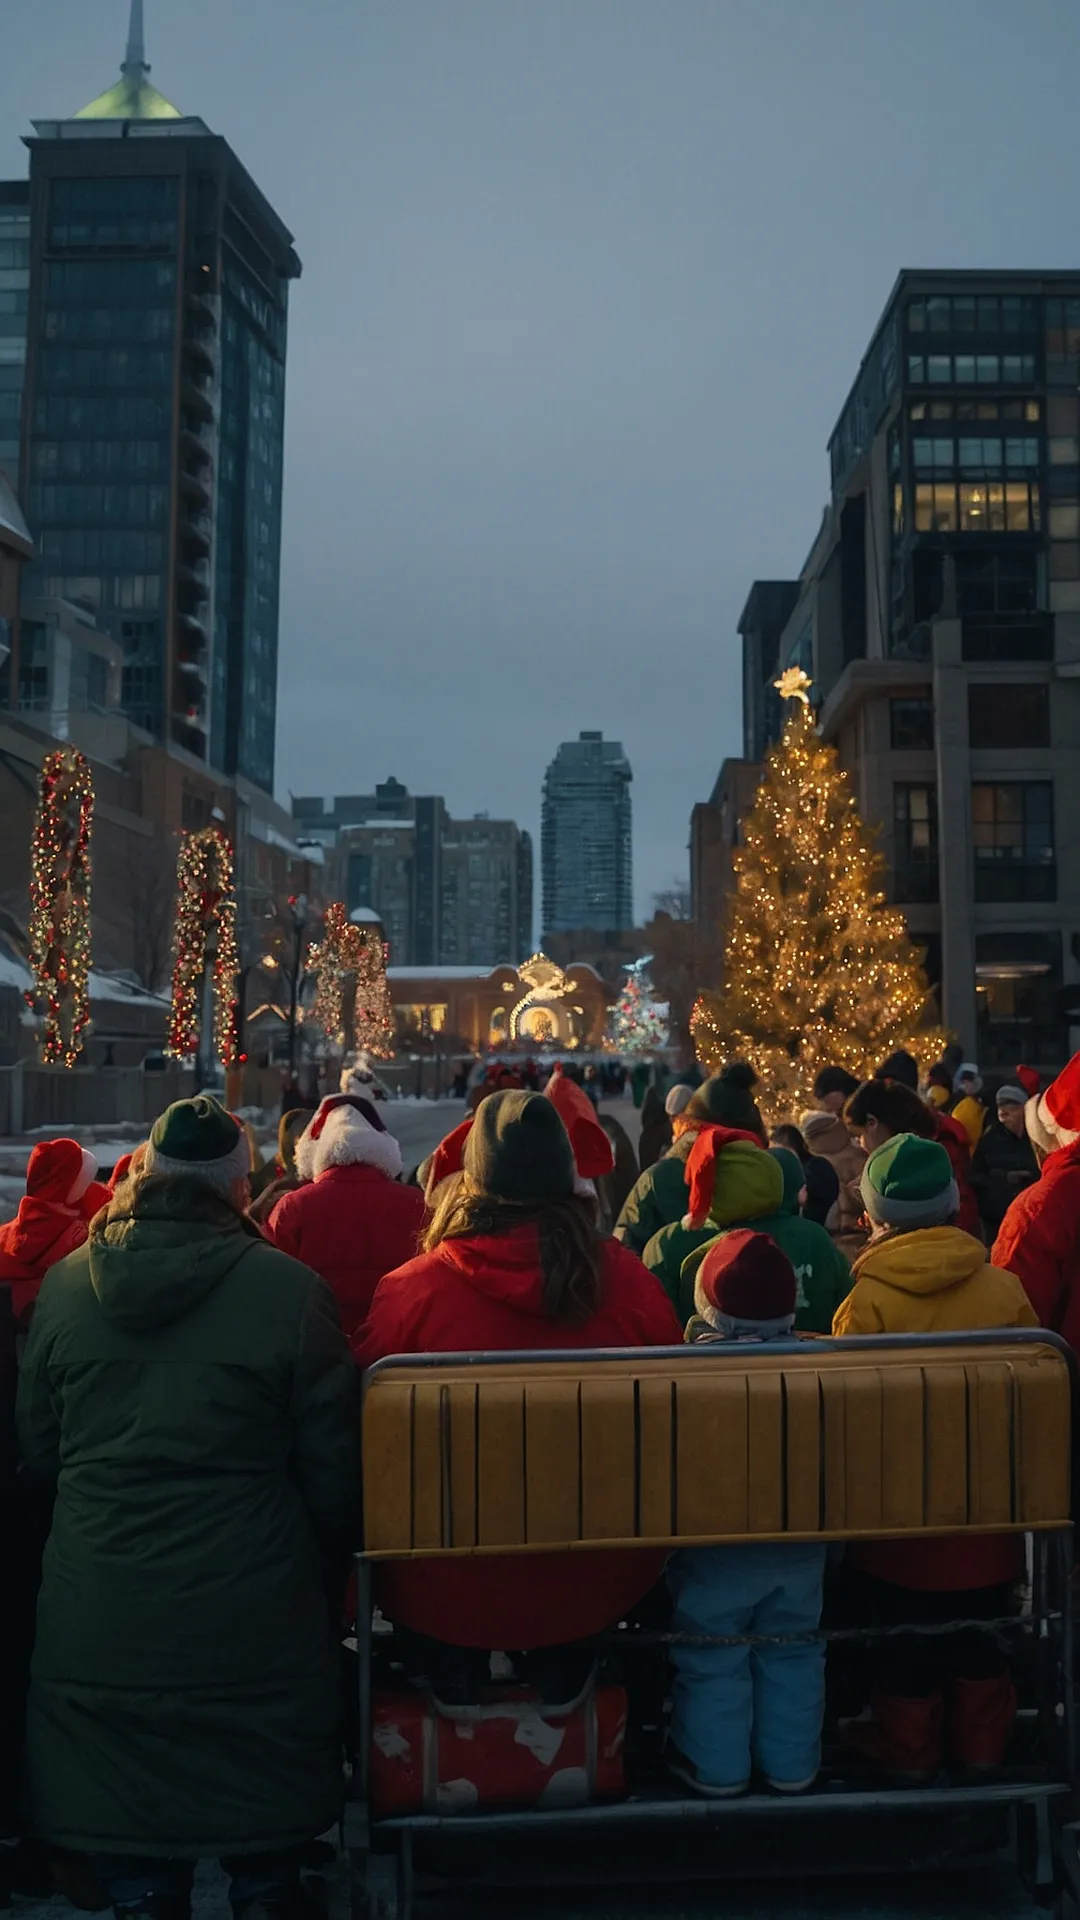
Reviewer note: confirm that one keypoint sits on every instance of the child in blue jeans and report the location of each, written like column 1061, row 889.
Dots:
column 737, row 1707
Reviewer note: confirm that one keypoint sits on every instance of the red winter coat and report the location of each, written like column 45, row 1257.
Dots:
column 1039, row 1241
column 957, row 1144
column 484, row 1294
column 351, row 1224
column 41, row 1233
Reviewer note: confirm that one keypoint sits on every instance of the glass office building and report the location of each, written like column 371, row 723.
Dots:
column 14, row 295
column 586, row 837
column 152, row 421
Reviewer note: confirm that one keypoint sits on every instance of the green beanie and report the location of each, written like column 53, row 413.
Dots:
column 197, row 1138
column 747, row 1184
column 794, row 1177
column 727, row 1099
column 909, row 1183
column 518, row 1149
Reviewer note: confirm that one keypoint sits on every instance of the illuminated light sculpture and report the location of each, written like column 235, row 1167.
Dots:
column 818, row 969
column 637, row 1023
column 353, row 952
column 204, row 935
column 540, row 1016
column 59, row 942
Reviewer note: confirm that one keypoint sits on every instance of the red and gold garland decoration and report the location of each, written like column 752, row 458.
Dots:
column 348, row 951
column 59, row 943
column 204, row 934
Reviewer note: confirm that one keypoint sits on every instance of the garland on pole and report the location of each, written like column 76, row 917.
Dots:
column 204, row 934
column 59, row 943
column 349, row 952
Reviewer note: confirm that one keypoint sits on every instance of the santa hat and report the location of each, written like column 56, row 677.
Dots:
column 346, row 1131
column 1058, row 1112
column 448, row 1157
column 1030, row 1079
column 60, row 1171
column 594, row 1155
column 745, row 1279
column 731, row 1177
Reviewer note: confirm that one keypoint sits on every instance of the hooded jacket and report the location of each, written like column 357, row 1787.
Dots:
column 352, row 1220
column 660, row 1196
column 485, row 1293
column 1039, row 1242
column 935, row 1280
column 847, row 1160
column 188, row 1392
column 49, row 1225
column 821, row 1271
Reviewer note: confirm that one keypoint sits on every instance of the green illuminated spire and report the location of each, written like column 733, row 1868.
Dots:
column 132, row 98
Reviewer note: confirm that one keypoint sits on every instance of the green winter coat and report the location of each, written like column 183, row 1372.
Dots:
column 658, row 1197
column 824, row 1277
column 189, row 1392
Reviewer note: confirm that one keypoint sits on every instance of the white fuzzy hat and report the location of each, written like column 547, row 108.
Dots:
column 346, row 1131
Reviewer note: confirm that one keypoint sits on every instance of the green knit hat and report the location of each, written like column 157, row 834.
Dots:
column 197, row 1138
column 909, row 1183
column 518, row 1149
column 727, row 1099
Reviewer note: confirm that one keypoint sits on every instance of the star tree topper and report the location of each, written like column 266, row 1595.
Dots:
column 794, row 684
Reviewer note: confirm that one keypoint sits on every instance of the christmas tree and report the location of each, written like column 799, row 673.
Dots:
column 818, row 970
column 638, row 1023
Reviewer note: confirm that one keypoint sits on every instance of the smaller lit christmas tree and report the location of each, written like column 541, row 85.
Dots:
column 638, row 1023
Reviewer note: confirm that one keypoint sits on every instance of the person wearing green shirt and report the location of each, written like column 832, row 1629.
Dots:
column 675, row 1253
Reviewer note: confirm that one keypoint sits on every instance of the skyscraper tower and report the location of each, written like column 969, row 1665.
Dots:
column 153, row 411
column 586, row 835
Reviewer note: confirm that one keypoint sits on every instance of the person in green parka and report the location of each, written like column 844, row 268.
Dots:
column 188, row 1391
column 821, row 1271
column 659, row 1197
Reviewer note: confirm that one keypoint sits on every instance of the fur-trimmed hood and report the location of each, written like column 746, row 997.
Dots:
column 346, row 1132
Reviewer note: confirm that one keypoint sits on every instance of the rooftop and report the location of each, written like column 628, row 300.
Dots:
column 132, row 97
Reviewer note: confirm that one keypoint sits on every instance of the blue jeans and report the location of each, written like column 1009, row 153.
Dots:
column 737, row 1705
column 130, row 1880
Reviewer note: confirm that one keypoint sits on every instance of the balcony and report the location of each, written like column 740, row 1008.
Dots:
column 196, row 484
column 199, row 350
column 196, row 394
column 196, row 531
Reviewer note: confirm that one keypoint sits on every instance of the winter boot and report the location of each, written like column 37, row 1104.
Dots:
column 903, row 1738
column 982, row 1714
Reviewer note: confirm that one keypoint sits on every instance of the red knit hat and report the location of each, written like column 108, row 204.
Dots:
column 449, row 1155
column 746, row 1276
column 594, row 1155
column 1061, row 1101
column 60, row 1171
column 1030, row 1079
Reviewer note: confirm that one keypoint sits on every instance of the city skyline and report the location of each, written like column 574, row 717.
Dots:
column 555, row 393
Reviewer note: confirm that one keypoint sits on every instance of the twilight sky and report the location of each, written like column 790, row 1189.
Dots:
column 585, row 285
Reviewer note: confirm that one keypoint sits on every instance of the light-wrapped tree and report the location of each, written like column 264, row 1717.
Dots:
column 818, row 970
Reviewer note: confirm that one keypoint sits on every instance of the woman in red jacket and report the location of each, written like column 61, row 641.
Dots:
column 351, row 1220
column 1039, row 1238
column 61, row 1198
column 512, row 1260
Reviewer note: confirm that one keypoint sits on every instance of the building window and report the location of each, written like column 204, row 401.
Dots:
column 916, row 839
column 1008, row 714
column 1018, row 988
column 1013, row 835
column 911, row 723
column 978, row 507
column 996, row 582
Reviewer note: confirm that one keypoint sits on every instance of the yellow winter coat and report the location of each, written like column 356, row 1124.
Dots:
column 972, row 1117
column 935, row 1280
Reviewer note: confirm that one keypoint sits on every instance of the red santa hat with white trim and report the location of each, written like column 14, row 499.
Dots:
column 1053, row 1119
column 60, row 1171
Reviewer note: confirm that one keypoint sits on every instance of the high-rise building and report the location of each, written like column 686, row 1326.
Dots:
column 14, row 297
column 153, row 411
column 938, row 616
column 586, row 837
column 448, row 892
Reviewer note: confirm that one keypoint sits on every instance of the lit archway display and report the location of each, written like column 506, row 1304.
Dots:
column 548, row 995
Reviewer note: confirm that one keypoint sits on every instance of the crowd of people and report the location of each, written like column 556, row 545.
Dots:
column 180, row 1355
